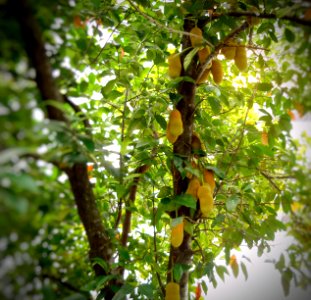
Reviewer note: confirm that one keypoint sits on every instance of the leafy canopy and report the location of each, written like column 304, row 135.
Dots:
column 110, row 59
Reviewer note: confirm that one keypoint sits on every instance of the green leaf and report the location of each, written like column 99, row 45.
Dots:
column 188, row 227
column 76, row 296
column 99, row 261
column 176, row 221
column 161, row 121
column 102, row 280
column 88, row 142
column 146, row 290
column 244, row 270
column 204, row 286
column 232, row 202
column 290, row 36
column 185, row 200
column 165, row 191
column 215, row 104
column 177, row 272
column 286, row 279
column 124, row 254
column 189, row 57
column 123, row 292
column 221, row 271
column 264, row 86
column 280, row 265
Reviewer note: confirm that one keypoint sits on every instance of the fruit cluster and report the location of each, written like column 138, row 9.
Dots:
column 232, row 51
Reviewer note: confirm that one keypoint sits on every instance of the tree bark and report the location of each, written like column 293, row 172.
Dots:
column 182, row 148
column 99, row 241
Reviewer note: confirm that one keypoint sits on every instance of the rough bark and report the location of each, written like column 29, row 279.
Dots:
column 99, row 241
column 182, row 148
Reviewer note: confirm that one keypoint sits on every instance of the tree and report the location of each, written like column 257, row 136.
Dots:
column 86, row 165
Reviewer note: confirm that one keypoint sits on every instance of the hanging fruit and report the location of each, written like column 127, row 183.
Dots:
column 177, row 234
column 208, row 178
column 175, row 124
column 217, row 71
column 206, row 200
column 203, row 54
column 240, row 58
column 174, row 65
column 229, row 52
column 196, row 37
column 172, row 291
column 193, row 187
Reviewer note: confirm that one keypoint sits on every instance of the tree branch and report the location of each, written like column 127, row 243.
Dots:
column 78, row 110
column 204, row 20
column 99, row 241
column 270, row 180
column 132, row 196
column 66, row 284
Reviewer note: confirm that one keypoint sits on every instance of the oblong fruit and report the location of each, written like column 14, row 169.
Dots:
column 196, row 36
column 208, row 177
column 264, row 138
column 172, row 291
column 177, row 235
column 240, row 58
column 229, row 52
column 217, row 71
column 197, row 146
column 193, row 187
column 206, row 200
column 175, row 124
column 172, row 138
column 174, row 65
column 203, row 54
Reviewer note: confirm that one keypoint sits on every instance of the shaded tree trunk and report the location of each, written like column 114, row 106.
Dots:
column 99, row 241
column 182, row 148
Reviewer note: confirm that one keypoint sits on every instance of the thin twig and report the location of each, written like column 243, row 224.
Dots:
column 155, row 246
column 170, row 29
column 270, row 180
column 78, row 110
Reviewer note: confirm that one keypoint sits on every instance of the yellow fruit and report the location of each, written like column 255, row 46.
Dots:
column 175, row 124
column 208, row 177
column 172, row 291
column 172, row 138
column 206, row 200
column 177, row 235
column 264, row 138
column 196, row 37
column 196, row 143
column 174, row 65
column 193, row 187
column 234, row 265
column 203, row 54
column 204, row 76
column 217, row 71
column 240, row 58
column 253, row 20
column 229, row 52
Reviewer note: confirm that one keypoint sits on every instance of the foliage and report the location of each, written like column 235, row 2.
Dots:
column 110, row 59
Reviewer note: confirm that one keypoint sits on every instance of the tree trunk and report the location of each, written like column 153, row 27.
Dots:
column 99, row 241
column 182, row 148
